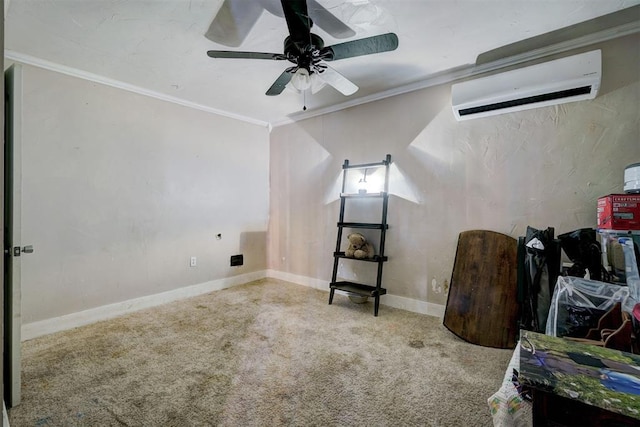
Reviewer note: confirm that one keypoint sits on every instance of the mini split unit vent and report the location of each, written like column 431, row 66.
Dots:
column 573, row 78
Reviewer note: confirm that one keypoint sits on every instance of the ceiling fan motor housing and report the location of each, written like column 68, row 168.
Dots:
column 302, row 50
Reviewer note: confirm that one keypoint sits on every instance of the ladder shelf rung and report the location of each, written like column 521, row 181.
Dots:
column 366, row 165
column 368, row 225
column 376, row 258
column 358, row 288
column 363, row 195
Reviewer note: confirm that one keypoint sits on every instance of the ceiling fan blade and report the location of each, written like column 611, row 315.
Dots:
column 233, row 22
column 338, row 81
column 245, row 55
column 367, row 46
column 317, row 83
column 278, row 86
column 272, row 6
column 328, row 22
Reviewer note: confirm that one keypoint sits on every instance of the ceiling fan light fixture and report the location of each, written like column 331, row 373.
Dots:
column 301, row 80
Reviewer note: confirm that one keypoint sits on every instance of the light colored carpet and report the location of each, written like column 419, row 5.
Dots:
column 268, row 353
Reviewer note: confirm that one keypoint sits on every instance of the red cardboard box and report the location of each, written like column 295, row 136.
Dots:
column 619, row 212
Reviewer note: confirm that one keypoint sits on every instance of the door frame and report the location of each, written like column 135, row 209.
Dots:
column 12, row 239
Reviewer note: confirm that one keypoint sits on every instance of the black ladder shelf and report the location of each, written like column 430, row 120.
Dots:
column 359, row 289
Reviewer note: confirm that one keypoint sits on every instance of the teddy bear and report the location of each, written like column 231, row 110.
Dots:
column 359, row 247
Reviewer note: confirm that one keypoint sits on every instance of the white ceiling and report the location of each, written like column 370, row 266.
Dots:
column 158, row 46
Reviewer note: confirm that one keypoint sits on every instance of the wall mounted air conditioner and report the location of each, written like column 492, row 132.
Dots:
column 573, row 78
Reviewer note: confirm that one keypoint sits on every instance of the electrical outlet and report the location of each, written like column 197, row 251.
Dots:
column 192, row 262
column 236, row 260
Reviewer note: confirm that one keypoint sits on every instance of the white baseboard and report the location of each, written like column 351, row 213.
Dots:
column 414, row 305
column 105, row 312
column 404, row 303
column 73, row 320
column 310, row 282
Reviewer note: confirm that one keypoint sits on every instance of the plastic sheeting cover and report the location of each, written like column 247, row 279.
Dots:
column 577, row 305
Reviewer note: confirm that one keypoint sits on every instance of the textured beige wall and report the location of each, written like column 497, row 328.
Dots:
column 542, row 167
column 120, row 190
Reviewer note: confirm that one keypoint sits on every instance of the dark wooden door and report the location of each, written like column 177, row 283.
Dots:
column 482, row 307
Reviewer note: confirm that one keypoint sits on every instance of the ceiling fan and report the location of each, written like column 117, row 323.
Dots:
column 308, row 53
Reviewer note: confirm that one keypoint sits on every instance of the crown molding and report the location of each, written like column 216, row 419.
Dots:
column 74, row 72
column 471, row 70
column 443, row 77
